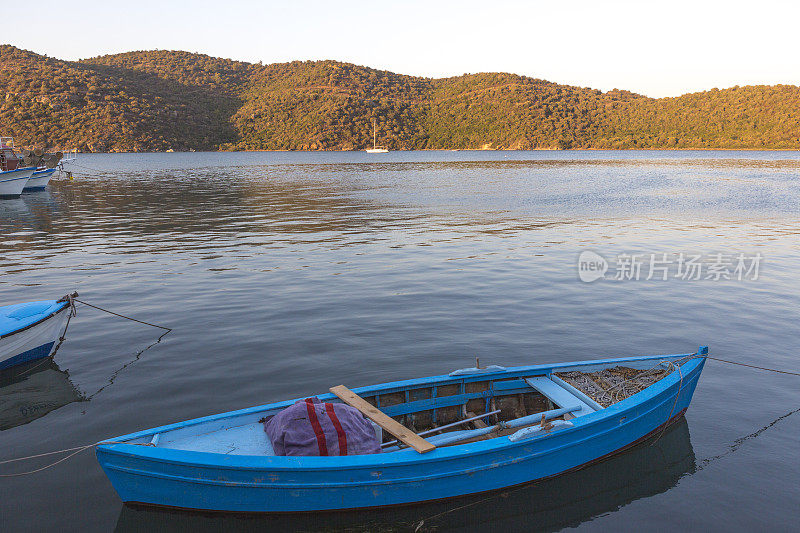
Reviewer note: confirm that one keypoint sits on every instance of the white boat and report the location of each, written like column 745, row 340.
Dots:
column 39, row 168
column 12, row 182
column 39, row 179
column 32, row 330
column 375, row 148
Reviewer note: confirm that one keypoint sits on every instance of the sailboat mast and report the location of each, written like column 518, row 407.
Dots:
column 374, row 134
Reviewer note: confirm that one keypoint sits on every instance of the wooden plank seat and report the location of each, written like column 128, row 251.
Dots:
column 559, row 395
column 398, row 430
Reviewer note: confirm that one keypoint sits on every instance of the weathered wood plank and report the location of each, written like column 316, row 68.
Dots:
column 398, row 430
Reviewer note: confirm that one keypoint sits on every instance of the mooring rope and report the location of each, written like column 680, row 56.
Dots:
column 99, row 173
column 754, row 366
column 674, row 404
column 73, row 311
column 740, row 441
column 72, row 298
column 75, row 451
column 123, row 367
column 123, row 316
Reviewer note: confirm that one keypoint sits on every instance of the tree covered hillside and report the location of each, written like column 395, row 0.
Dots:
column 758, row 116
column 328, row 105
column 100, row 107
column 156, row 100
column 500, row 110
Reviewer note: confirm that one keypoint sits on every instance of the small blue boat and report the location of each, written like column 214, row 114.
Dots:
column 31, row 330
column 483, row 429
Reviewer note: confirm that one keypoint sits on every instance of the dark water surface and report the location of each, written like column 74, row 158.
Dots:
column 283, row 274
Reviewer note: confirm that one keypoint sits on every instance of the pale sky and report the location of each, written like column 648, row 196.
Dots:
column 663, row 48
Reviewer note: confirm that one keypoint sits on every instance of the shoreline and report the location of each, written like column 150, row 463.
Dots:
column 462, row 150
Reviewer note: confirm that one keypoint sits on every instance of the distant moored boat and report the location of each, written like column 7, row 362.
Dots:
column 13, row 178
column 39, row 168
column 375, row 148
column 12, row 182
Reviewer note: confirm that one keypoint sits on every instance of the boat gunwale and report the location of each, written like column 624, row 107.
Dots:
column 394, row 386
column 32, row 169
column 202, row 459
column 64, row 305
column 44, row 170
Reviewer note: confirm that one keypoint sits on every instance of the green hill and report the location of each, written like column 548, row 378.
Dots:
column 156, row 100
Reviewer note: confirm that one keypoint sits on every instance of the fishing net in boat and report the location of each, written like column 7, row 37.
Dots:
column 612, row 385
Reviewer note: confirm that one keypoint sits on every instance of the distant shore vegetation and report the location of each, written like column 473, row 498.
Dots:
column 159, row 100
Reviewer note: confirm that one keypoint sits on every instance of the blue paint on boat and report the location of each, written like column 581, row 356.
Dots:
column 18, row 317
column 29, row 331
column 219, row 463
column 40, row 352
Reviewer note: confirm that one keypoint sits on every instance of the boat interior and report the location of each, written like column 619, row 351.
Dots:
column 465, row 408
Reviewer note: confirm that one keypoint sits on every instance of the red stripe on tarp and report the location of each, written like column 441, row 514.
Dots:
column 339, row 431
column 312, row 417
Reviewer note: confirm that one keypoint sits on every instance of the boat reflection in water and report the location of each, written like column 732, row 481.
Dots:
column 567, row 500
column 31, row 390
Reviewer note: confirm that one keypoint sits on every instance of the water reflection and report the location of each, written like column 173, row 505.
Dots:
column 644, row 471
column 329, row 267
column 32, row 390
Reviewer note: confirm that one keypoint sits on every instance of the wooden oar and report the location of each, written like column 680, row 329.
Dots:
column 398, row 430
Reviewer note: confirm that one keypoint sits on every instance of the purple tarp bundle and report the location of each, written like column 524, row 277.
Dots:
column 310, row 427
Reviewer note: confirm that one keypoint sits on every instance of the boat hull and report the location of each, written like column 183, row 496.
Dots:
column 166, row 477
column 39, row 179
column 12, row 182
column 34, row 342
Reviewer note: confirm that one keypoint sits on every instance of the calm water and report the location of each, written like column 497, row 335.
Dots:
column 283, row 274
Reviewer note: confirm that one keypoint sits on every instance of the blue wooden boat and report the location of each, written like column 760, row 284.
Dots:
column 31, row 330
column 527, row 424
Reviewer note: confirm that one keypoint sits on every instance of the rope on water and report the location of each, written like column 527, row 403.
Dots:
column 123, row 316
column 739, row 442
column 754, row 366
column 70, row 299
column 75, row 451
column 123, row 367
column 98, row 173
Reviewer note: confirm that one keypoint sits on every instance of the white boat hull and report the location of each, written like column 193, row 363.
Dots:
column 377, row 151
column 39, row 179
column 34, row 342
column 12, row 182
